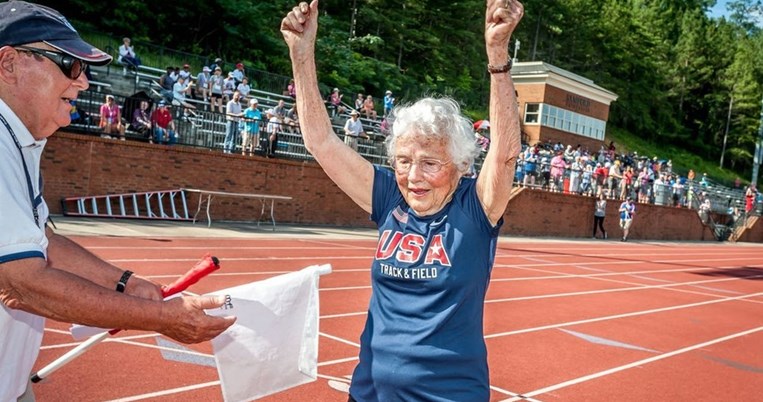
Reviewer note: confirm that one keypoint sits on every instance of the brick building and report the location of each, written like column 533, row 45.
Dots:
column 557, row 105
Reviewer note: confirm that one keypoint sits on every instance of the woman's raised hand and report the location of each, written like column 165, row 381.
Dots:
column 501, row 17
column 299, row 28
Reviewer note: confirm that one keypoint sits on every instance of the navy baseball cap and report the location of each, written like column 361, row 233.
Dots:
column 22, row 23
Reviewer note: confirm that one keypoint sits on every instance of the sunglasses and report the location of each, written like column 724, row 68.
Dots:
column 72, row 67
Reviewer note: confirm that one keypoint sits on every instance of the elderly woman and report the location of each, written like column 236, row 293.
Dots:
column 423, row 337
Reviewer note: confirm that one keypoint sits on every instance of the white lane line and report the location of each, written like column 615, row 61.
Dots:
column 369, row 257
column 617, row 316
column 338, row 339
column 73, row 344
column 337, row 361
column 505, row 392
column 343, row 315
column 166, row 392
column 635, row 364
column 565, row 275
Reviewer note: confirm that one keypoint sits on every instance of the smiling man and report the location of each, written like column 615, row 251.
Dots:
column 42, row 59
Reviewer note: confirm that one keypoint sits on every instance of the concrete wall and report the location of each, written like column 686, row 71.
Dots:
column 76, row 165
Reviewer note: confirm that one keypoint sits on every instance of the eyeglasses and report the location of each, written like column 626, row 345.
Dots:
column 72, row 67
column 403, row 165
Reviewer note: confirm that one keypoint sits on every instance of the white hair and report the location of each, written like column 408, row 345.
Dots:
column 435, row 118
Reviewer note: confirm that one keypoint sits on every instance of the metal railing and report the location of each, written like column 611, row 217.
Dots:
column 204, row 128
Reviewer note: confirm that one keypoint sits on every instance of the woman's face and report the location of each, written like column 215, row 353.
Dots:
column 425, row 192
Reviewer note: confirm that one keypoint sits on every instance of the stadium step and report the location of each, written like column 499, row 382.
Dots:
column 164, row 204
column 739, row 231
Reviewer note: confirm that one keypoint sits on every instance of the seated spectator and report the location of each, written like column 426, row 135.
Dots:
column 389, row 102
column 164, row 127
column 335, row 103
column 359, row 102
column 111, row 119
column 244, row 89
column 292, row 120
column 291, row 90
column 185, row 73
column 239, row 74
column 369, row 109
column 250, row 137
column 127, row 57
column 280, row 110
column 141, row 121
column 174, row 74
column 78, row 116
column 215, row 87
column 179, row 92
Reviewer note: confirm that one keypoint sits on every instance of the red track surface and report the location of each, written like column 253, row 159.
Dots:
column 692, row 315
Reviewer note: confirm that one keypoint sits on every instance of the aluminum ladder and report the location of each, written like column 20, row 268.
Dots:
column 164, row 204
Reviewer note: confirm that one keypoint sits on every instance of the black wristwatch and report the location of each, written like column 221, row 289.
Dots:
column 122, row 284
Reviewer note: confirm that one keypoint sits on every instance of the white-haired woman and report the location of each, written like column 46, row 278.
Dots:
column 423, row 337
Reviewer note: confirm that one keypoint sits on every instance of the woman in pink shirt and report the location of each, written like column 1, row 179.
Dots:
column 557, row 171
column 111, row 119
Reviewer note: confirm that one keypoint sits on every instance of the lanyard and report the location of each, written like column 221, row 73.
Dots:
column 36, row 201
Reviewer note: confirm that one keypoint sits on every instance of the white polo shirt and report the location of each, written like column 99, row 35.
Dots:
column 20, row 332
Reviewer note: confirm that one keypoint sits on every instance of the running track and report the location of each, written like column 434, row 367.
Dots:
column 564, row 321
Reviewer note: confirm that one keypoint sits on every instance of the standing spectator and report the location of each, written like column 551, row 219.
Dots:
column 576, row 171
column 202, row 84
column 424, row 337
column 111, row 119
column 216, row 82
column 250, row 137
column 585, row 183
column 233, row 116
column 174, row 74
column 217, row 63
column 141, row 121
column 627, row 210
column 690, row 175
column 272, row 129
column 749, row 200
column 557, row 172
column 127, row 57
column 353, row 128
column 369, row 109
column 531, row 166
column 389, row 102
column 614, row 178
column 643, row 185
column 626, row 184
column 44, row 274
column 164, row 127
column 599, row 213
column 166, row 82
column 229, row 86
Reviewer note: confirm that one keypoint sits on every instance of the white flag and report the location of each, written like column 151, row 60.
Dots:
column 273, row 345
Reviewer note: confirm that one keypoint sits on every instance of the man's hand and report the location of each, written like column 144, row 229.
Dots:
column 299, row 29
column 145, row 289
column 184, row 320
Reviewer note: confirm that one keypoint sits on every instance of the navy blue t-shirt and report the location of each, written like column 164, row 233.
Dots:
column 423, row 339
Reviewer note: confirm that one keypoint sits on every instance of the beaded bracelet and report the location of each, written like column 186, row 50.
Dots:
column 499, row 69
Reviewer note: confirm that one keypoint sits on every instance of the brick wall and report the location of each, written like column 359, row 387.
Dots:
column 75, row 165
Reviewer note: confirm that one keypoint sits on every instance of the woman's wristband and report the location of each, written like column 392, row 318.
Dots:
column 499, row 69
column 122, row 284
